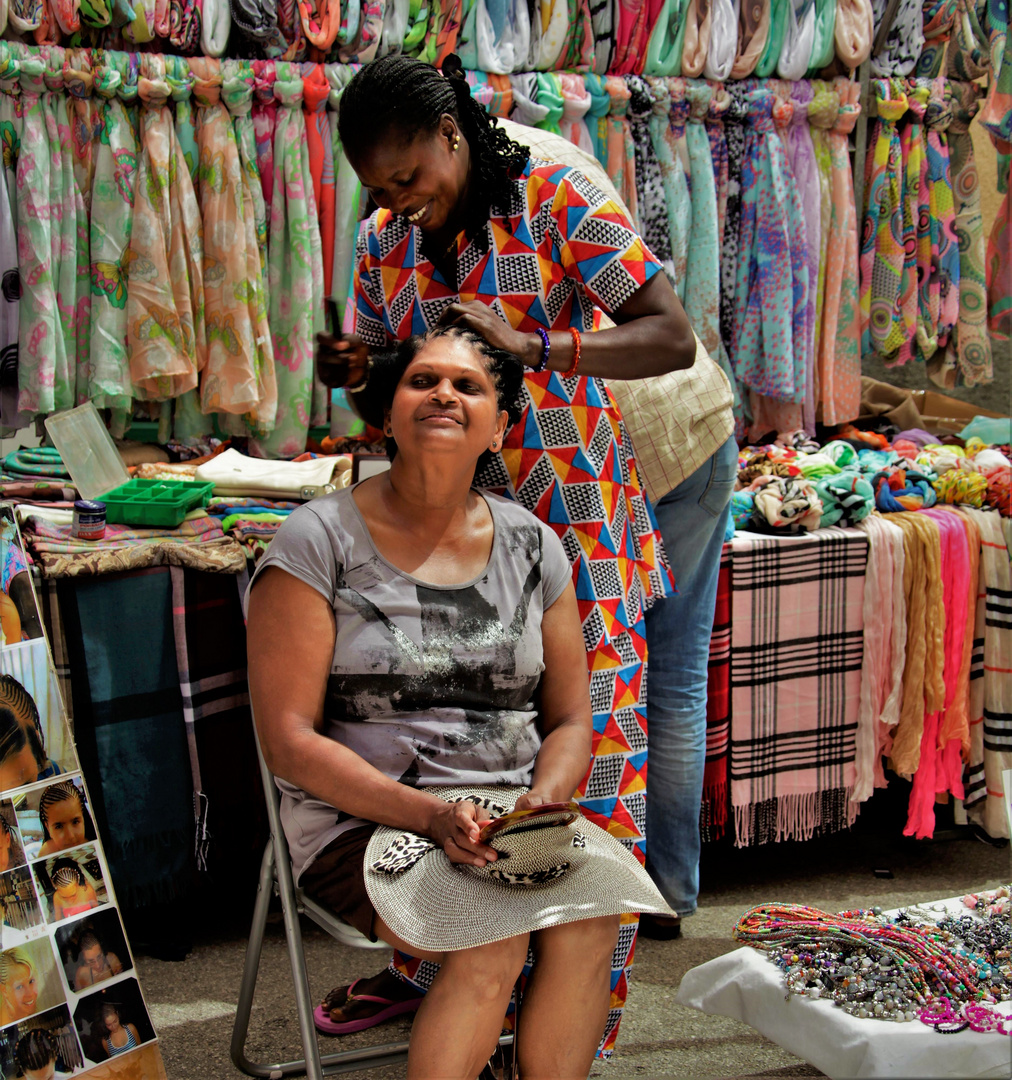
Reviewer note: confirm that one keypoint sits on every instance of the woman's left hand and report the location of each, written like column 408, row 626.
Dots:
column 482, row 319
column 532, row 799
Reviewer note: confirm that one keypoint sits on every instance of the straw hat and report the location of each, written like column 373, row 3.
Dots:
column 556, row 871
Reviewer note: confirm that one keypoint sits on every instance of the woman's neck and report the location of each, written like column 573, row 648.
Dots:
column 426, row 494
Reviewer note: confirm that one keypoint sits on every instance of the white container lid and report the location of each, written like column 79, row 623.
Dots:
column 87, row 450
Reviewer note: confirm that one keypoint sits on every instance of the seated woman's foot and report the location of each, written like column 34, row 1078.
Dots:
column 365, row 1003
column 661, row 927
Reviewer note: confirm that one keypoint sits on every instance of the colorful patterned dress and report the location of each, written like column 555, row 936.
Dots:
column 562, row 248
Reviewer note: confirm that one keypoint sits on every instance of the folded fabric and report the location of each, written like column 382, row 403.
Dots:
column 198, row 543
column 233, row 473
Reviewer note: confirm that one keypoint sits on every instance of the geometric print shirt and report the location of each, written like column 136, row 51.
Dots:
column 562, row 249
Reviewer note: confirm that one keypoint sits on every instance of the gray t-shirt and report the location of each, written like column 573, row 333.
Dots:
column 431, row 684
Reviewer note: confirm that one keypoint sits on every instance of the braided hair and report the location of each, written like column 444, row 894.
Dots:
column 58, row 793
column 388, row 365
column 65, row 870
column 35, row 1050
column 398, row 93
column 20, row 724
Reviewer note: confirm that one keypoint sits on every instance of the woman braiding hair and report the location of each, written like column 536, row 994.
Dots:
column 471, row 231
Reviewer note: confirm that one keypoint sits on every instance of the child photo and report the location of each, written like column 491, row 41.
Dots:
column 42, row 1048
column 19, row 613
column 71, row 884
column 54, row 818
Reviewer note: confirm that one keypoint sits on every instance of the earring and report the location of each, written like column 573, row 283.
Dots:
column 456, row 143
column 495, row 444
column 388, row 431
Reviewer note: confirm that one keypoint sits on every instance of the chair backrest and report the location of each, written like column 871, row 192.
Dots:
column 337, row 928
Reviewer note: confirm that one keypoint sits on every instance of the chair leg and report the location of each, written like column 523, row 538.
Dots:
column 313, row 1065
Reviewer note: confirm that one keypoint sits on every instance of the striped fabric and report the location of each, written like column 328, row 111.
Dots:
column 796, row 653
column 713, row 813
column 990, row 685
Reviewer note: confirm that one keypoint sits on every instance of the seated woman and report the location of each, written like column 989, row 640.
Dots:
column 413, row 633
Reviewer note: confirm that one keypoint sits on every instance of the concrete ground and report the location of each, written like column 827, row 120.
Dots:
column 192, row 1003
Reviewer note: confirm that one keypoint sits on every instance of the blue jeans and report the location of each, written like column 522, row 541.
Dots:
column 692, row 520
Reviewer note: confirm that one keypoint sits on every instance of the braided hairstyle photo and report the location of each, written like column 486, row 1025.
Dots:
column 397, row 94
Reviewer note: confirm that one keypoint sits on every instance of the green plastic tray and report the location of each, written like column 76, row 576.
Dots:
column 155, row 502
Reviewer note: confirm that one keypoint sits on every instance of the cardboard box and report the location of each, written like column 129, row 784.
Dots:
column 945, row 414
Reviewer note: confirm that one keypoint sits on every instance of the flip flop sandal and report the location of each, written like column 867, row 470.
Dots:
column 326, row 1026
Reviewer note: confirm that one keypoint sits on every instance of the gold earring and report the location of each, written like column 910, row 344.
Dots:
column 456, row 143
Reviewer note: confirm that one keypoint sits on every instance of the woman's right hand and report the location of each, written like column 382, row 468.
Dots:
column 341, row 361
column 455, row 827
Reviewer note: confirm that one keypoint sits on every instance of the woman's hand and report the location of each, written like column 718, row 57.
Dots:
column 455, row 827
column 482, row 319
column 533, row 798
column 341, row 361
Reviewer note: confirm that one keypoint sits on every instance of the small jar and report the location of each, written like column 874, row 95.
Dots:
column 89, row 520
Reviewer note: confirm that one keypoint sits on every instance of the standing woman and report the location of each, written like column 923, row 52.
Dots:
column 471, row 231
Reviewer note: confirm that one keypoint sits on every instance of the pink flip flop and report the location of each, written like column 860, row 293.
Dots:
column 326, row 1026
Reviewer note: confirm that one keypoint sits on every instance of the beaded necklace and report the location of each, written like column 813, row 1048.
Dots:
column 945, row 973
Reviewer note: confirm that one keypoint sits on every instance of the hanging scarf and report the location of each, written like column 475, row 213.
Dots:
column 550, row 98
column 885, row 635
column 967, row 57
column 257, row 19
column 142, row 29
column 914, row 290
column 24, row 16
column 549, row 24
column 771, row 287
column 698, row 26
column 943, row 271
column 753, row 30
column 442, row 31
column 664, row 46
column 631, row 37
column 296, row 271
column 823, row 113
column 184, row 25
column 855, row 30
column 349, row 192
column 111, row 218
column 575, row 103
column 316, row 92
column 796, row 57
column 881, row 248
column 180, row 81
column 904, row 42
column 237, row 92
column 98, row 13
column 723, row 47
column 938, row 20
column 501, row 103
column 839, row 361
column 967, row 356
column 396, row 16
column 996, row 118
column 718, row 155
column 215, row 24
column 578, row 50
column 503, row 36
column 265, row 112
column 229, row 380
column 823, row 43
column 165, row 285
column 112, row 207
column 597, row 116
column 923, row 682
column 82, row 123
column 666, row 125
column 67, row 209
column 653, row 207
column 602, row 22
column 621, row 151
column 366, row 43
column 526, row 107
column 67, row 15
column 321, row 21
column 766, row 65
column 702, row 279
column 734, row 137
column 11, row 419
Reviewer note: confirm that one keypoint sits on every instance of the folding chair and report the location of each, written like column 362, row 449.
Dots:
column 276, row 875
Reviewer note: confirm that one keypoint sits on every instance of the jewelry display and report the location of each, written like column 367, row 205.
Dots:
column 945, row 970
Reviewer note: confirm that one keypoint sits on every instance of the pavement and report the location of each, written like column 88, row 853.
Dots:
column 192, row 1002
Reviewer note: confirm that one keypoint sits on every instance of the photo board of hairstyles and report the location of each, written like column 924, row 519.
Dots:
column 69, row 994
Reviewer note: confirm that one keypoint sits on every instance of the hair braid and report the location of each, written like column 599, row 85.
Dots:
column 408, row 95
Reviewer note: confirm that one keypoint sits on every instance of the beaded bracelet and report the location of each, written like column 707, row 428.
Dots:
column 546, row 348
column 363, row 382
column 571, row 370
